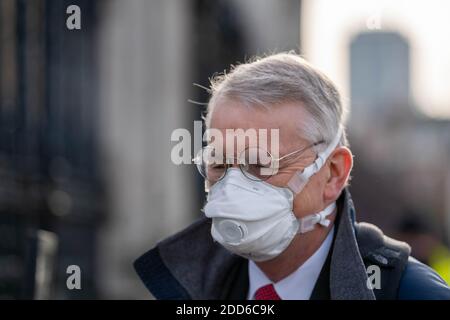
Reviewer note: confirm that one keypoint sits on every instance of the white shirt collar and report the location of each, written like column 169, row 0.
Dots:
column 299, row 284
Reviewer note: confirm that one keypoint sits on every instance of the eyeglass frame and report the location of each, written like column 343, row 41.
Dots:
column 275, row 160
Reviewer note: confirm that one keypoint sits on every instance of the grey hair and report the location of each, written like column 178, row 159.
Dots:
column 279, row 78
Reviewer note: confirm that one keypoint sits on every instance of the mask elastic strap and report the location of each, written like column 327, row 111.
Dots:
column 300, row 178
column 307, row 223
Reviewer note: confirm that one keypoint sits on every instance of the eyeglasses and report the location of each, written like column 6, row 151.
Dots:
column 256, row 164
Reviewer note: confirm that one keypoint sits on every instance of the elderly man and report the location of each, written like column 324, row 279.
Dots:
column 283, row 228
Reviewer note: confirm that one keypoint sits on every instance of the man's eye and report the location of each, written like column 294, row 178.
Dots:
column 217, row 166
column 258, row 166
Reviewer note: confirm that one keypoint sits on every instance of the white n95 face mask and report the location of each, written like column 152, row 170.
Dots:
column 255, row 219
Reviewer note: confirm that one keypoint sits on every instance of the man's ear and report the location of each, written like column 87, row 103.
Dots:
column 340, row 165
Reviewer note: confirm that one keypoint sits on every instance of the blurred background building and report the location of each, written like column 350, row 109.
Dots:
column 86, row 118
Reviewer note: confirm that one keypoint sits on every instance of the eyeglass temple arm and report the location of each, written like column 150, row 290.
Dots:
column 300, row 150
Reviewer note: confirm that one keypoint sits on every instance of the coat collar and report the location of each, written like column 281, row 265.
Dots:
column 348, row 277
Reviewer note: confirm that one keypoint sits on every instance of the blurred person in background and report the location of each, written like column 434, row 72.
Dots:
column 290, row 234
column 426, row 246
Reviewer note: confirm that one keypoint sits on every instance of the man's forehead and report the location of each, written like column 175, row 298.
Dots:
column 240, row 121
column 234, row 112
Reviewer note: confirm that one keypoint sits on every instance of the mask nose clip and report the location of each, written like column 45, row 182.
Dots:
column 232, row 231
